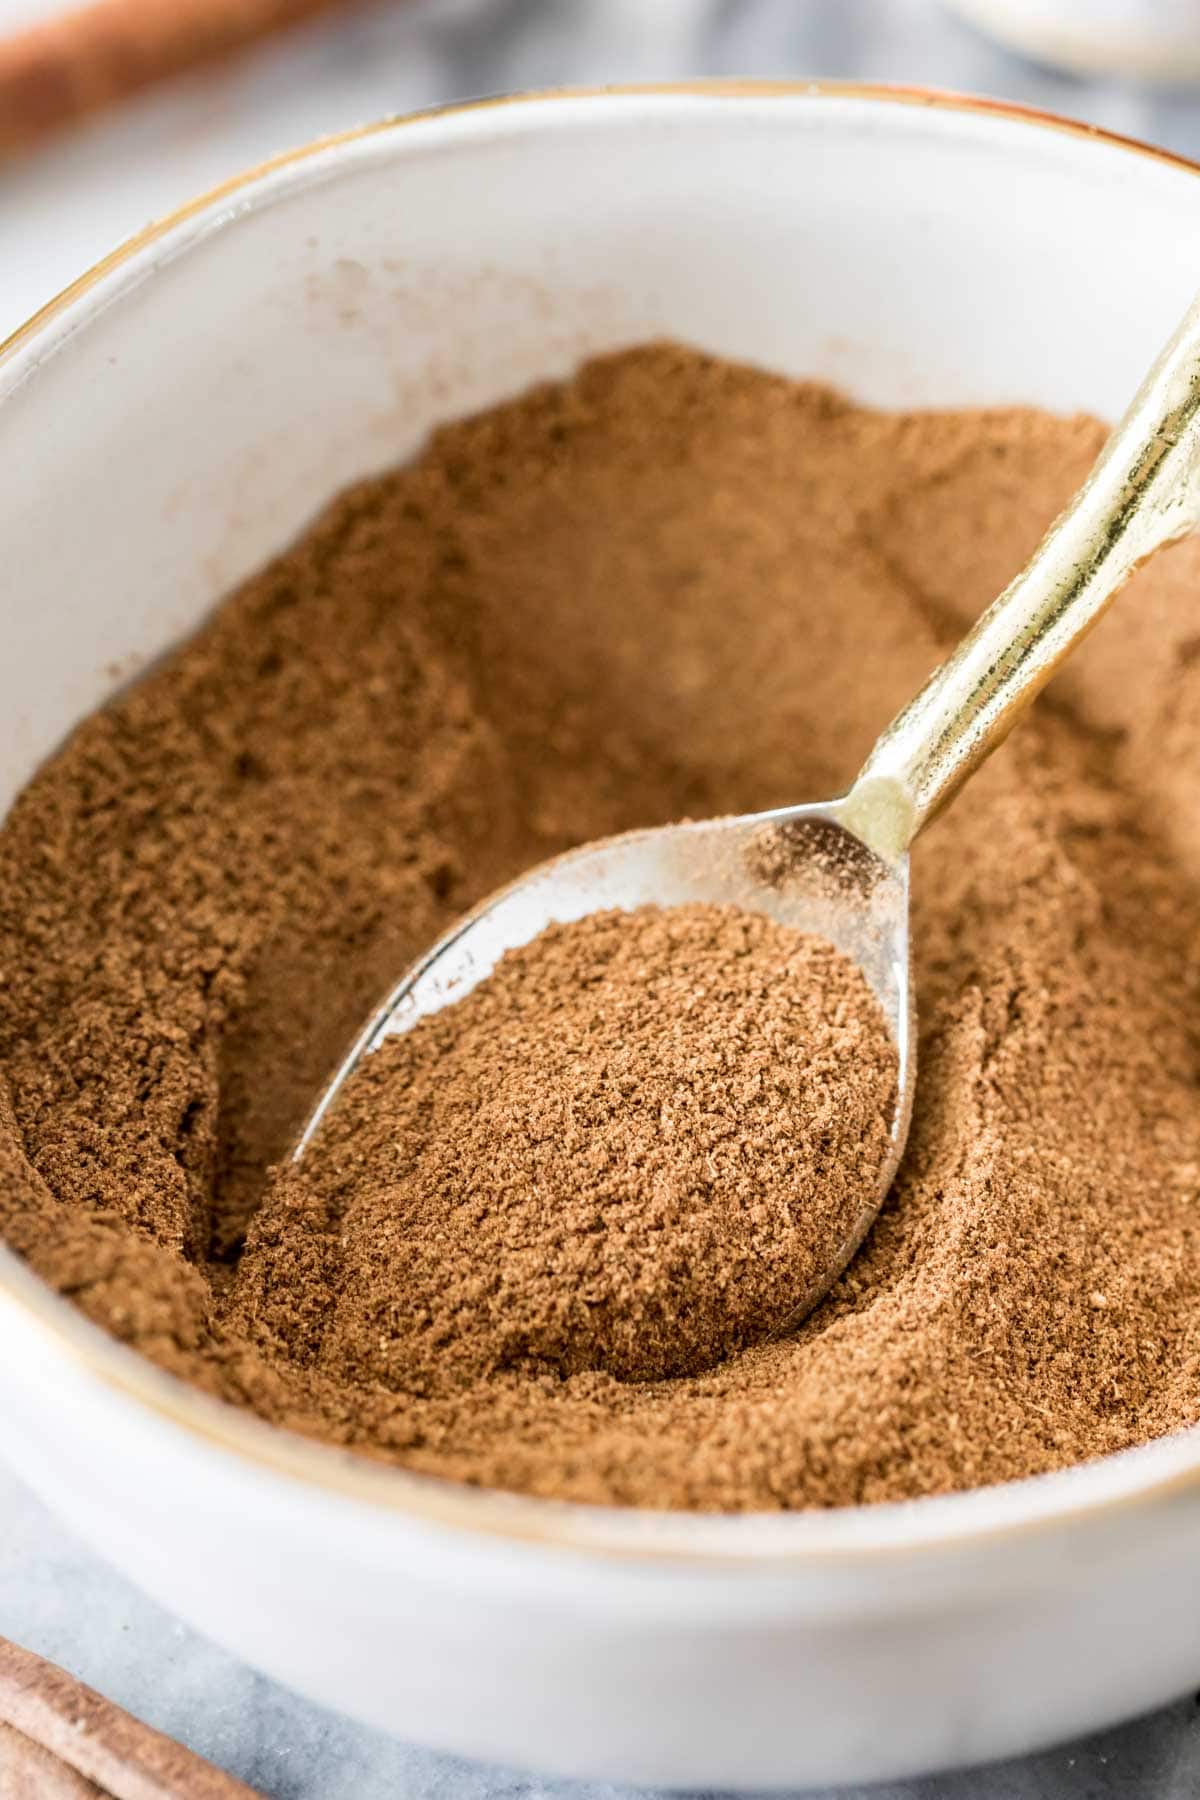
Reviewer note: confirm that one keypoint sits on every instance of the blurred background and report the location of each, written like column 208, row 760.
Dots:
column 113, row 112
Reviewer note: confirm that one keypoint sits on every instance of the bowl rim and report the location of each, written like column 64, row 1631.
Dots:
column 1162, row 1471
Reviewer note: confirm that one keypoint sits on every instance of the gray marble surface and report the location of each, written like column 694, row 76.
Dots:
column 61, row 210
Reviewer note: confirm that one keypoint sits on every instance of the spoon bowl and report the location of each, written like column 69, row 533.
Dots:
column 799, row 865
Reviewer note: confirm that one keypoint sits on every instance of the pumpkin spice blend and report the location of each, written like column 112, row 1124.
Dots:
column 670, row 587
column 637, row 1146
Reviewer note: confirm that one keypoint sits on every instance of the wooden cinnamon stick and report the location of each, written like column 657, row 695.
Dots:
column 90, row 57
column 29, row 1771
column 53, row 1726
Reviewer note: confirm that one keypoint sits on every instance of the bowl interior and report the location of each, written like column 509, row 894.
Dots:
column 178, row 418
column 194, row 405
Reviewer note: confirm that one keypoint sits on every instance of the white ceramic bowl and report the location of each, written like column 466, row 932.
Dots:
column 1133, row 40
column 173, row 419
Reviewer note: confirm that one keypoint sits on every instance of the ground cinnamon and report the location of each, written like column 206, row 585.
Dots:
column 636, row 1147
column 669, row 587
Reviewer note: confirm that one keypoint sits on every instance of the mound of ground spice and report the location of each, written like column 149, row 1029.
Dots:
column 669, row 587
column 636, row 1146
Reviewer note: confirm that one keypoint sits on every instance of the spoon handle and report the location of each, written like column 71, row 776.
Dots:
column 1143, row 492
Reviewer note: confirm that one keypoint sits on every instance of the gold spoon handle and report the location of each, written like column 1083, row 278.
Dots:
column 1143, row 492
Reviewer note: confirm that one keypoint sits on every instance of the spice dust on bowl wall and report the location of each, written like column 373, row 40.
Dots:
column 914, row 252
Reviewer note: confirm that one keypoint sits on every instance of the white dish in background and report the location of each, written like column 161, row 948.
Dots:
column 195, row 400
column 1131, row 40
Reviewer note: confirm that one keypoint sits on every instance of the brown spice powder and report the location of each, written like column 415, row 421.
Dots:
column 635, row 1147
column 669, row 587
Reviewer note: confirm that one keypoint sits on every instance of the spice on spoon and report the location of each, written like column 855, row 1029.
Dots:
column 631, row 1148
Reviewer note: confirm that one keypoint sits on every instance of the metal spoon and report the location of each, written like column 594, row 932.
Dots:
column 839, row 868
